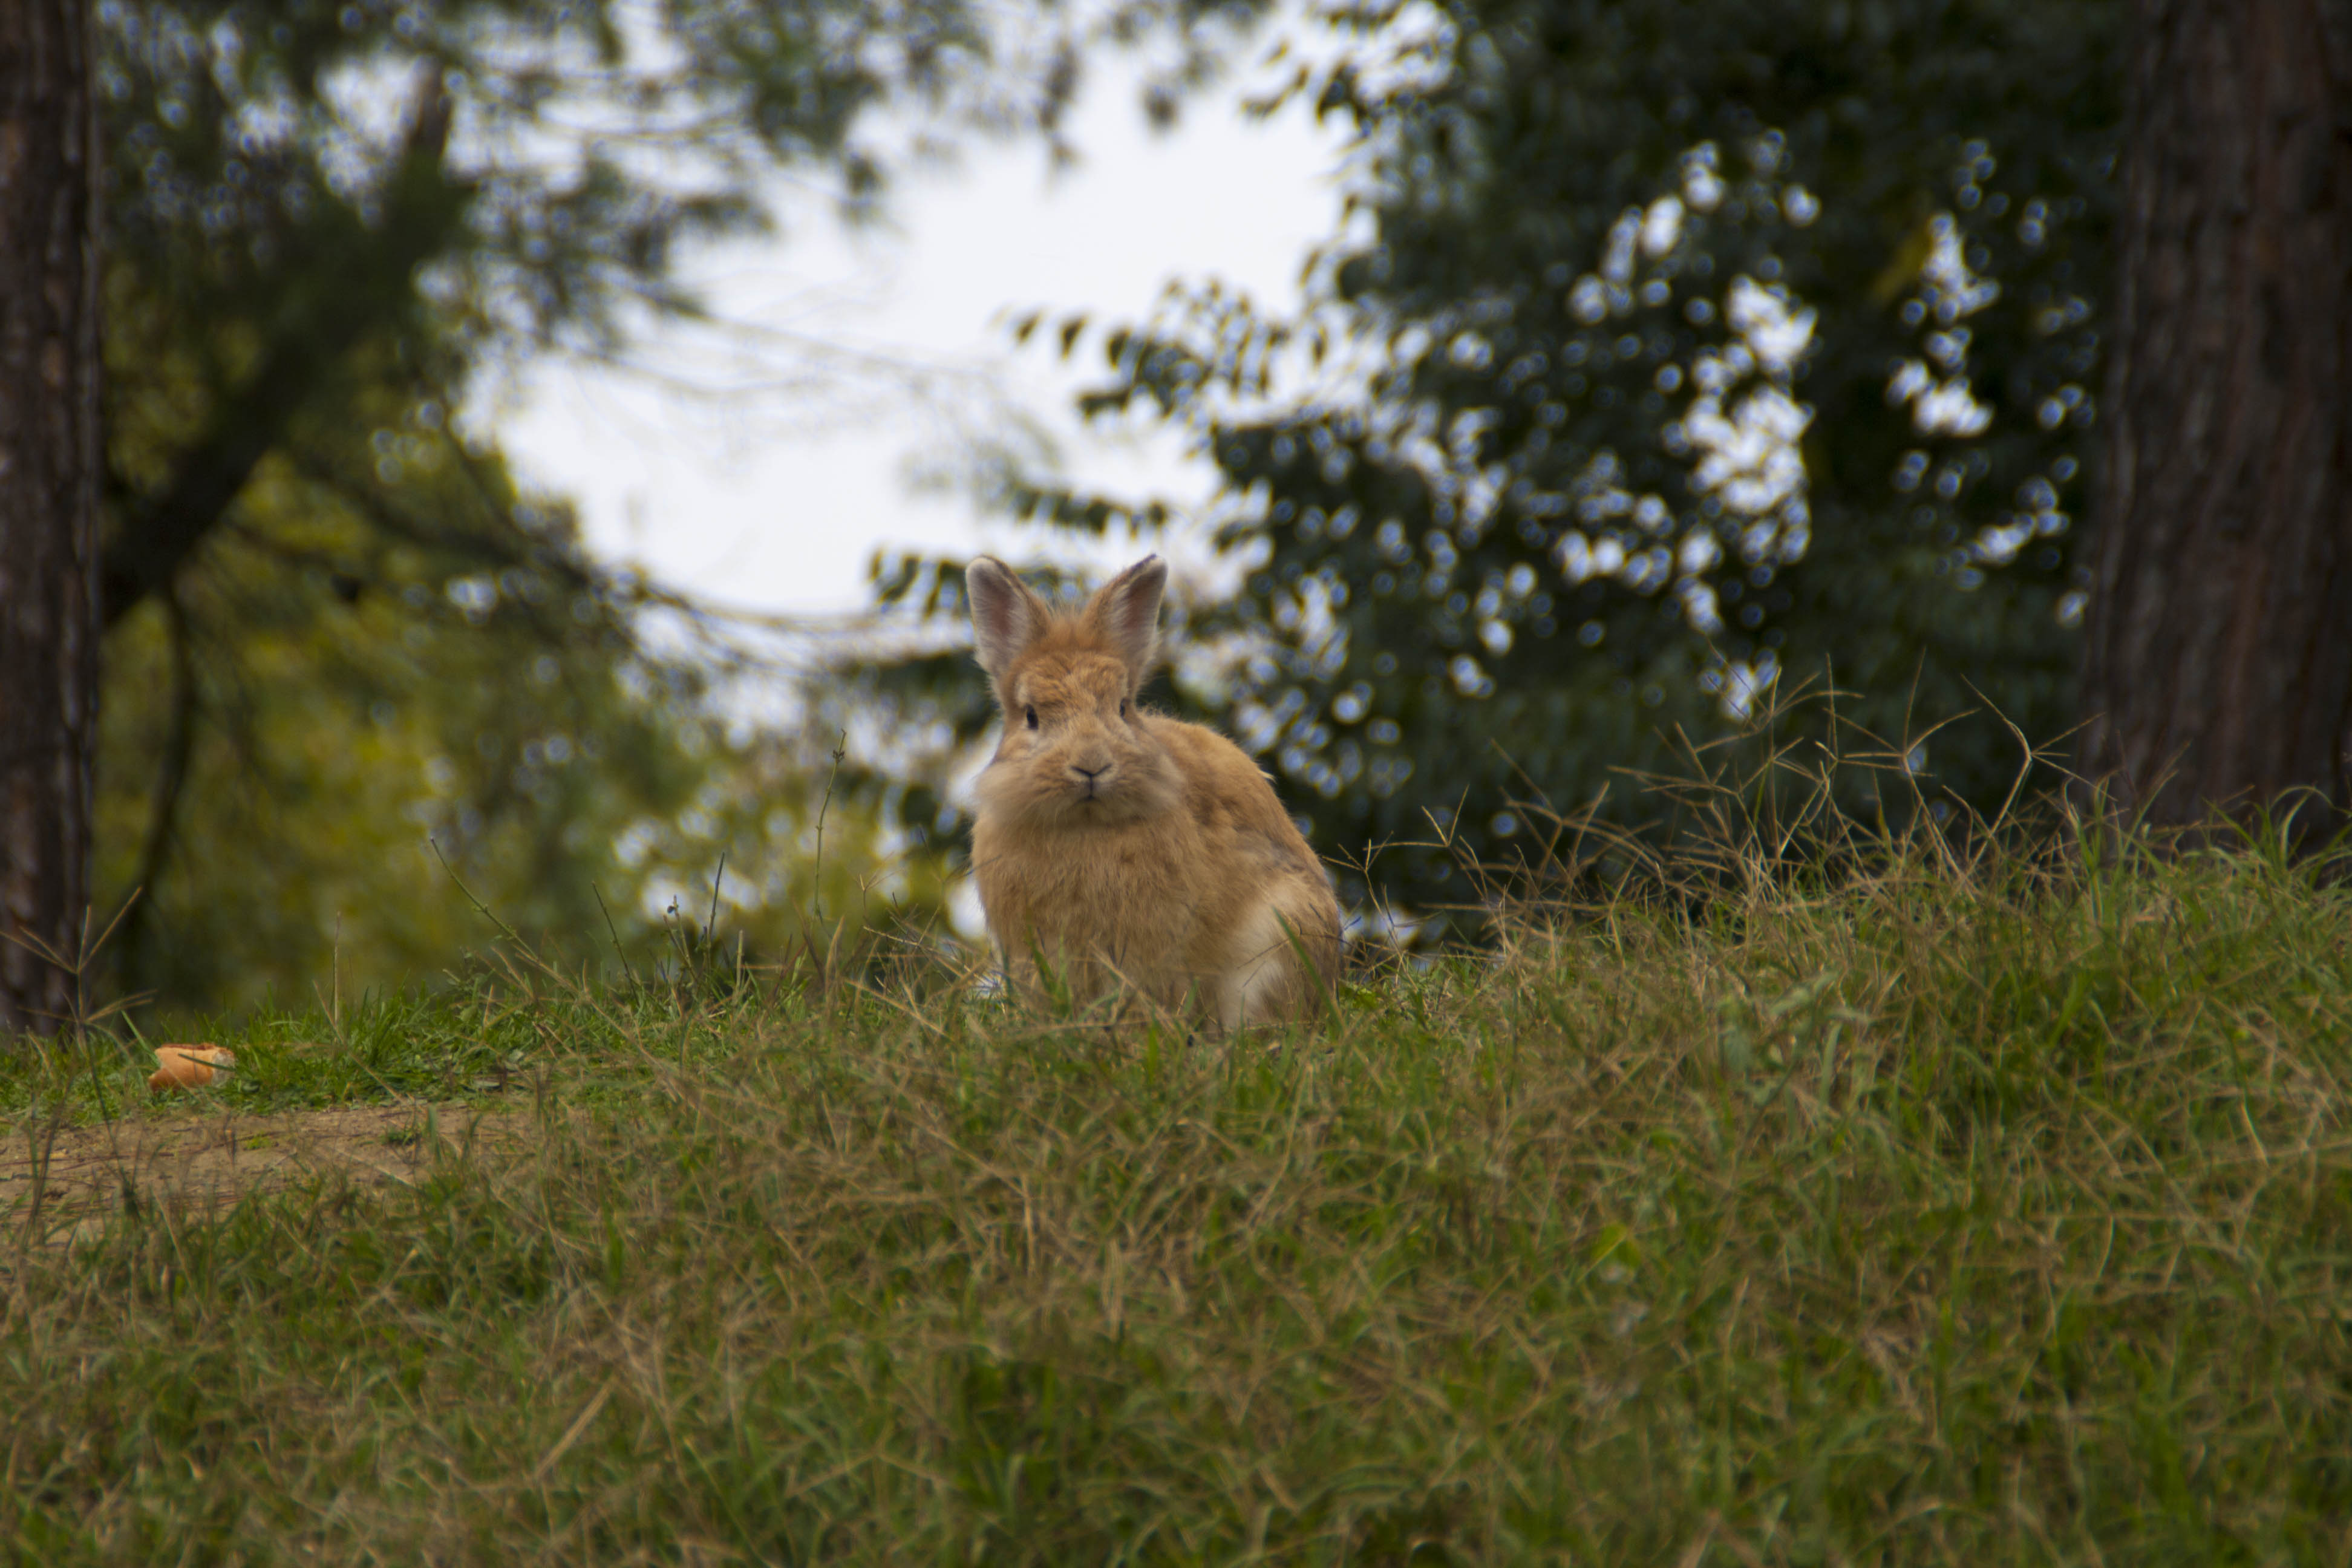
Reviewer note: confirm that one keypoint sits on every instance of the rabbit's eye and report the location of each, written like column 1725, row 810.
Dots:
column 1122, row 707
column 1031, row 713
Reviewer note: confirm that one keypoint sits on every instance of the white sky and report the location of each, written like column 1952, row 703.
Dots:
column 712, row 462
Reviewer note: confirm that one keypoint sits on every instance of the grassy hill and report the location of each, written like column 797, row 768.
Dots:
column 1966, row 1210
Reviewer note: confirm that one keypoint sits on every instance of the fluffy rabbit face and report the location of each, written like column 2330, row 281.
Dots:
column 1076, row 748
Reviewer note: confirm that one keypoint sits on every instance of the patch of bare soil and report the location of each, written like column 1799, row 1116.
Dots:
column 73, row 1176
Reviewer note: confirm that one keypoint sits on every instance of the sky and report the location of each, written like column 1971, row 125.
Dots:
column 759, row 463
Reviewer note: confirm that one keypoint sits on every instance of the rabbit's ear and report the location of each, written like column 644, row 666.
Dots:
column 1126, row 612
column 1006, row 615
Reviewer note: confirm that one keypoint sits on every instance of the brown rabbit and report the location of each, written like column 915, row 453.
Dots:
column 1124, row 846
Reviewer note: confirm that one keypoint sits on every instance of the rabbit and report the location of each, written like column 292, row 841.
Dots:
column 1123, row 846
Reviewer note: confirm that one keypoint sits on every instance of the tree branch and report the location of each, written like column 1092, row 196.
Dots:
column 156, row 537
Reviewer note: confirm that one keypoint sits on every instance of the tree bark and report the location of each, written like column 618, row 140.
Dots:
column 2218, row 656
column 50, row 465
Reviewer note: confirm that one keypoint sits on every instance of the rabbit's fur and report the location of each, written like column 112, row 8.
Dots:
column 1124, row 847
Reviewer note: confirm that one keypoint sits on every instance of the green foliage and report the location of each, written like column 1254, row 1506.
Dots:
column 1520, row 490
column 333, row 701
column 355, row 744
column 1944, row 1209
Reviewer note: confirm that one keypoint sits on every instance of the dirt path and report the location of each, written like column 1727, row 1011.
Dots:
column 75, row 1176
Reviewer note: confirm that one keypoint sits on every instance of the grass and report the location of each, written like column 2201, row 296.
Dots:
column 1994, row 1210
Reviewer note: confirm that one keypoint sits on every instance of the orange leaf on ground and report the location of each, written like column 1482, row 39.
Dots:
column 189, row 1067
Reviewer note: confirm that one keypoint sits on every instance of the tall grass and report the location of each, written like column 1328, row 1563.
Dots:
column 1941, row 1206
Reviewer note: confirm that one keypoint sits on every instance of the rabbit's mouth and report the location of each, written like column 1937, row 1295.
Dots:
column 1101, row 802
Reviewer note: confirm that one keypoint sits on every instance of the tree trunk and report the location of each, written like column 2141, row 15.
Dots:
column 49, row 458
column 2218, row 655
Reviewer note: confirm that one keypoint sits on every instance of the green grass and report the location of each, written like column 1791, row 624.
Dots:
column 1969, row 1214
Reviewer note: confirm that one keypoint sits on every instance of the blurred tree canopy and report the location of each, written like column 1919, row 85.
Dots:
column 336, row 623
column 1677, row 354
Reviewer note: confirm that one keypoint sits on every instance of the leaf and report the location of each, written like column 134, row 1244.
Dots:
column 189, row 1067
